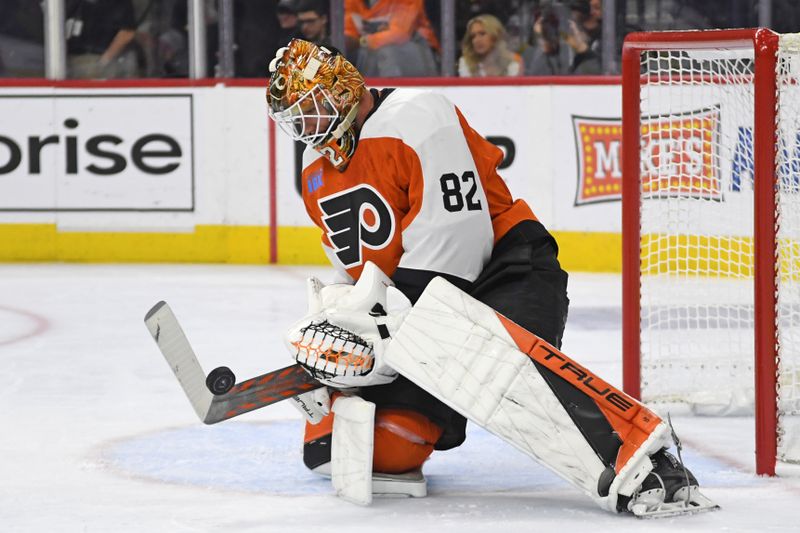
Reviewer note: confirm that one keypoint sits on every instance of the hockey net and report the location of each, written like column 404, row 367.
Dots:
column 695, row 235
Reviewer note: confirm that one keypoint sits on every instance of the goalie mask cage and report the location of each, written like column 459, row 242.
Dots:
column 711, row 227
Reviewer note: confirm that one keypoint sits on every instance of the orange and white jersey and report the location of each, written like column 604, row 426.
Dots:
column 421, row 193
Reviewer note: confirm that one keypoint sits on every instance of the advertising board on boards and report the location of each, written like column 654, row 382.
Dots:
column 679, row 156
column 97, row 152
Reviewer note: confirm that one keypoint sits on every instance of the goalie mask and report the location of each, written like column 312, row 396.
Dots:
column 313, row 96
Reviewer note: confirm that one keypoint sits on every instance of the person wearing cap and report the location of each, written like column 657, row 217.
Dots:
column 312, row 20
column 288, row 29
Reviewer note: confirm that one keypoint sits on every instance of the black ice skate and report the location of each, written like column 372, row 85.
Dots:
column 669, row 489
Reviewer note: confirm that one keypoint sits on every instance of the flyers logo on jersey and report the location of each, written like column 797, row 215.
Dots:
column 357, row 217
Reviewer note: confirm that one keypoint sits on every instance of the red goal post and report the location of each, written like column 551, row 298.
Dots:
column 669, row 79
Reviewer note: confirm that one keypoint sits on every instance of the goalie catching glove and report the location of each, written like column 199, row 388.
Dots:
column 342, row 339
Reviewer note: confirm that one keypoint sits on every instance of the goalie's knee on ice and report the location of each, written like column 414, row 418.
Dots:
column 403, row 440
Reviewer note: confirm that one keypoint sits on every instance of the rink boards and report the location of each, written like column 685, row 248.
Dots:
column 183, row 172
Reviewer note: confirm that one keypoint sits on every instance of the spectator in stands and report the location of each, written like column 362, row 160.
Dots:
column 515, row 37
column 173, row 39
column 147, row 17
column 312, row 19
column 583, row 36
column 158, row 38
column 287, row 21
column 256, row 29
column 21, row 38
column 484, row 50
column 549, row 56
column 99, row 34
column 395, row 37
column 466, row 10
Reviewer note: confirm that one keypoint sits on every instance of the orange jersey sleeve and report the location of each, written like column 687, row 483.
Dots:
column 503, row 209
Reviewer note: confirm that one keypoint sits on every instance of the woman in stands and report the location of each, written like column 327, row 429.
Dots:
column 484, row 50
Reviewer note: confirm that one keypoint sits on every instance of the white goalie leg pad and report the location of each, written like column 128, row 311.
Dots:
column 458, row 350
column 351, row 449
column 631, row 476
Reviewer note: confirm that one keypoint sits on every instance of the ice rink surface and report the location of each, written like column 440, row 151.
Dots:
column 97, row 435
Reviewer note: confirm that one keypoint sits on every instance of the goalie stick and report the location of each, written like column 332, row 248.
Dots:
column 244, row 397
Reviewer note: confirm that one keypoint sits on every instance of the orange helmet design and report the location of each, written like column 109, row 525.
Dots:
column 313, row 96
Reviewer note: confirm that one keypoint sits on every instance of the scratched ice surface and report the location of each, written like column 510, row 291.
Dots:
column 97, row 435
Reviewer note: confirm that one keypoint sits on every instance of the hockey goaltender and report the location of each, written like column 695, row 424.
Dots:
column 412, row 210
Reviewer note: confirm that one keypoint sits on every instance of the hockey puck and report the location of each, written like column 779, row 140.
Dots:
column 220, row 380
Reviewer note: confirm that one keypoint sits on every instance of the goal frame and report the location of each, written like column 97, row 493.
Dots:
column 764, row 44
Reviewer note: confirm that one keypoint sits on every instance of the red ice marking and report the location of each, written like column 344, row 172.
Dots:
column 40, row 325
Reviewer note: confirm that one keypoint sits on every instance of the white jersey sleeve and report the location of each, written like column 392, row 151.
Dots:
column 447, row 228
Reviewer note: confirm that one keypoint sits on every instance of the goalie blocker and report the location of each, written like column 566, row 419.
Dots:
column 527, row 392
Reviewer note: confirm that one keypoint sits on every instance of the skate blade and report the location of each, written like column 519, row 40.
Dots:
column 408, row 485
column 698, row 504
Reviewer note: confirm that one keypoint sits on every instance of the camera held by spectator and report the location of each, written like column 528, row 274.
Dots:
column 550, row 55
column 369, row 27
column 548, row 29
column 585, row 28
column 394, row 37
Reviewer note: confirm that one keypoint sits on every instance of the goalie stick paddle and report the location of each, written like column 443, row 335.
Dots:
column 244, row 397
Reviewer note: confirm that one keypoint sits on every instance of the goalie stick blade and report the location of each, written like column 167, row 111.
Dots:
column 167, row 332
column 244, row 397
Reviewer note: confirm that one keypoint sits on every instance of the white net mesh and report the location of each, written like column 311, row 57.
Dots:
column 696, row 229
column 697, row 318
column 788, row 166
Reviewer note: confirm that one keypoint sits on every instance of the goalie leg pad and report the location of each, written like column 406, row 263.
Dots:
column 351, row 449
column 353, row 443
column 487, row 368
